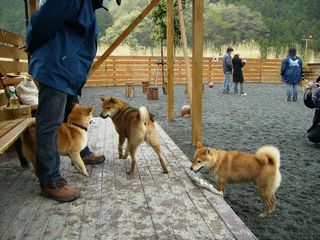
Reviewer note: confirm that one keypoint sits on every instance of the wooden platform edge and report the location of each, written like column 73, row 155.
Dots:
column 236, row 226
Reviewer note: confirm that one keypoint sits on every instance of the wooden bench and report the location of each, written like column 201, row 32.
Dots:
column 11, row 130
column 13, row 70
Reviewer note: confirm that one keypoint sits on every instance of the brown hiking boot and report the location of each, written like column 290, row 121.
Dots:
column 61, row 191
column 93, row 159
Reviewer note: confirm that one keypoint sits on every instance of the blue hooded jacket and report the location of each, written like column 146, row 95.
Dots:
column 62, row 41
column 291, row 70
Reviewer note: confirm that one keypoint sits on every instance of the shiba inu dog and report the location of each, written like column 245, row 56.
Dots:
column 72, row 138
column 234, row 166
column 135, row 125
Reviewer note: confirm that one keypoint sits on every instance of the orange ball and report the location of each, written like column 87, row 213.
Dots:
column 185, row 111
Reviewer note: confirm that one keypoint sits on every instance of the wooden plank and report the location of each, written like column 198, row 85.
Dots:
column 238, row 229
column 32, row 7
column 197, row 69
column 208, row 219
column 11, row 136
column 126, row 32
column 170, row 71
column 14, row 67
column 12, row 52
column 11, row 38
column 12, row 202
column 185, row 51
column 113, row 205
column 12, row 80
column 6, row 126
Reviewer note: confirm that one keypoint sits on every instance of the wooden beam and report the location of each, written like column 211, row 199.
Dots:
column 185, row 51
column 125, row 33
column 32, row 7
column 170, row 67
column 197, row 68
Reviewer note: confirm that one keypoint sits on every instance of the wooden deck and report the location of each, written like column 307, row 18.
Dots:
column 113, row 205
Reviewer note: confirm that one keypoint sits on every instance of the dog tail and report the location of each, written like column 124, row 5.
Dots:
column 28, row 145
column 145, row 115
column 269, row 155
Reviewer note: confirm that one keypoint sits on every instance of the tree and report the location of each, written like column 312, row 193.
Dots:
column 159, row 19
column 229, row 24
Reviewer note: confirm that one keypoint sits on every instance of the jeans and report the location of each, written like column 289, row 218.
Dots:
column 50, row 115
column 236, row 88
column 292, row 89
column 314, row 135
column 227, row 82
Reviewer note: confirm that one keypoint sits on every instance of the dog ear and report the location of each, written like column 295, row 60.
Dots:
column 102, row 99
column 199, row 145
column 113, row 100
column 90, row 109
column 208, row 151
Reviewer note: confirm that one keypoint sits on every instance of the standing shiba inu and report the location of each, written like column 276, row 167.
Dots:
column 135, row 125
column 234, row 166
column 72, row 138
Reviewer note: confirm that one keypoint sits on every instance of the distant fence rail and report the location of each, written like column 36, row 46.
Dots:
column 117, row 70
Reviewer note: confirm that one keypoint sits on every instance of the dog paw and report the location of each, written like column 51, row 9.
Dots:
column 125, row 157
column 263, row 215
column 130, row 173
column 165, row 171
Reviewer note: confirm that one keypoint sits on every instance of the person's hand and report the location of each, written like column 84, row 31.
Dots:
column 244, row 61
column 308, row 86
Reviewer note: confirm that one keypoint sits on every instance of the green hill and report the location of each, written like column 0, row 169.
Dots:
column 271, row 23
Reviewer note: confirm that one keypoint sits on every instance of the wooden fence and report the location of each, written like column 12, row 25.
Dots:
column 117, row 70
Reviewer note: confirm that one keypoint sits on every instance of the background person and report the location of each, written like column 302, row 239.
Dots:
column 312, row 100
column 291, row 72
column 237, row 75
column 227, row 70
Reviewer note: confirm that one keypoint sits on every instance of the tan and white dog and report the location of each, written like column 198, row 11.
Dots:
column 234, row 166
column 135, row 125
column 72, row 138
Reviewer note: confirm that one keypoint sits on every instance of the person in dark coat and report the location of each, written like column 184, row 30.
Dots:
column 312, row 100
column 62, row 43
column 237, row 74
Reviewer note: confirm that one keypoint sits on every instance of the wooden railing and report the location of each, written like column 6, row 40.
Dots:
column 117, row 70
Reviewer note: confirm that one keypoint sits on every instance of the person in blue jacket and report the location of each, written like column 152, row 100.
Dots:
column 227, row 70
column 62, row 43
column 291, row 72
column 312, row 100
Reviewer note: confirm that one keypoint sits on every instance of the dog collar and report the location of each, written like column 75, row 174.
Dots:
column 79, row 126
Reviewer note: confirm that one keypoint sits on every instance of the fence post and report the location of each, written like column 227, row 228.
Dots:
column 260, row 70
column 114, row 72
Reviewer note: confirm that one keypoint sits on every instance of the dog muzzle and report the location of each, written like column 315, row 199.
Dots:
column 196, row 170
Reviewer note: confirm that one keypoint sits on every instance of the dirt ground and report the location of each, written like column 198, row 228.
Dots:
column 245, row 123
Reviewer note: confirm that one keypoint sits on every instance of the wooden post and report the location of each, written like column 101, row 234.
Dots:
column 197, row 70
column 145, row 85
column 152, row 93
column 129, row 89
column 170, row 76
column 32, row 7
column 185, row 51
column 123, row 35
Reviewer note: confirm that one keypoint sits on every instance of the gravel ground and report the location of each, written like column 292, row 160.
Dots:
column 245, row 123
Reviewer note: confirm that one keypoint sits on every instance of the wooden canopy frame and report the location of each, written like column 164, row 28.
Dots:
column 197, row 59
